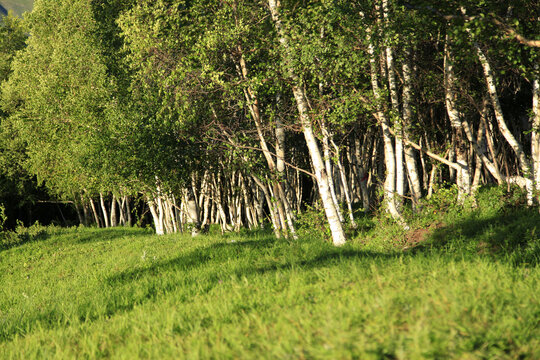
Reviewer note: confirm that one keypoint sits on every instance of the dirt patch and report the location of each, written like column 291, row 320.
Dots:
column 415, row 237
column 487, row 248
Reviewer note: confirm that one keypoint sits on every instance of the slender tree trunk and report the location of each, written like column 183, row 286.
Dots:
column 249, row 218
column 298, row 191
column 463, row 174
column 79, row 213
column 87, row 220
column 213, row 213
column 394, row 97
column 362, row 174
column 338, row 235
column 128, row 212
column 287, row 210
column 113, row 212
column 193, row 212
column 206, row 210
column 121, row 210
column 95, row 213
column 237, row 198
column 167, row 221
column 259, row 203
column 170, row 215
column 346, row 190
column 535, row 140
column 104, row 210
column 516, row 146
column 410, row 159
column 478, row 168
column 505, row 131
column 432, row 180
column 219, row 203
column 329, row 171
column 425, row 171
column 389, row 157
column 285, row 213
column 157, row 216
column 271, row 207
column 276, row 199
column 282, row 175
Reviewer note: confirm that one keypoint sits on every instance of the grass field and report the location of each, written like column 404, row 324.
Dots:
column 469, row 290
column 18, row 6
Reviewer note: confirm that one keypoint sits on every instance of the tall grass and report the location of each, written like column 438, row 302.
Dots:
column 468, row 289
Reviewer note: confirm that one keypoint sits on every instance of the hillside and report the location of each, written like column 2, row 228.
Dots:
column 18, row 6
column 460, row 292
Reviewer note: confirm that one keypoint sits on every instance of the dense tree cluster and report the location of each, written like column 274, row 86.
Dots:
column 242, row 112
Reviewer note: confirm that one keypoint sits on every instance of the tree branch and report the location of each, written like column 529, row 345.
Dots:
column 269, row 152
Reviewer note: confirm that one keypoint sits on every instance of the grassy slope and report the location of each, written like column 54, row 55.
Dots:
column 18, row 6
column 124, row 293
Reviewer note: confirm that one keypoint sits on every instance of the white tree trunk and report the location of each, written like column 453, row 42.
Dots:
column 251, row 220
column 114, row 221
column 410, row 159
column 121, row 210
column 505, row 131
column 287, row 209
column 157, row 216
column 389, row 157
column 463, row 174
column 274, row 217
column 206, row 208
column 394, row 98
column 432, row 177
column 95, row 213
column 285, row 213
column 338, row 235
column 478, row 168
column 280, row 146
column 329, row 170
column 104, row 209
column 345, row 183
column 536, row 130
column 128, row 212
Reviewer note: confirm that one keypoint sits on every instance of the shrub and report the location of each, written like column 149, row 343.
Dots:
column 3, row 217
column 312, row 223
column 22, row 235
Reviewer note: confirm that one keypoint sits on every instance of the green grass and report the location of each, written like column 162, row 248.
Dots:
column 18, row 6
column 468, row 290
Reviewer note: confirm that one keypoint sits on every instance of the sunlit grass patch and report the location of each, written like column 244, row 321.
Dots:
column 125, row 293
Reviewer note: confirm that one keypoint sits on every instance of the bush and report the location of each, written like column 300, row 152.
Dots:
column 312, row 223
column 22, row 235
column 3, row 217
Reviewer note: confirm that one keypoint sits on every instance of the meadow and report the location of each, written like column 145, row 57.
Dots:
column 18, row 6
column 462, row 286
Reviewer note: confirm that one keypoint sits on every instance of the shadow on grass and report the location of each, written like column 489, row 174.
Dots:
column 12, row 239
column 510, row 237
column 219, row 254
column 513, row 236
column 108, row 234
column 197, row 272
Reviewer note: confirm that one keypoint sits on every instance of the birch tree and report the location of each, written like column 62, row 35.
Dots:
column 338, row 235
